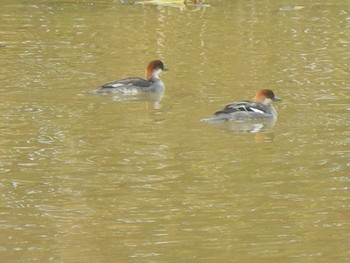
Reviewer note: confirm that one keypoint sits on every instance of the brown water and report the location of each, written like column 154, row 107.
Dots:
column 88, row 178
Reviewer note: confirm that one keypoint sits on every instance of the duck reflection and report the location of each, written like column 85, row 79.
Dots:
column 251, row 126
column 263, row 129
column 152, row 99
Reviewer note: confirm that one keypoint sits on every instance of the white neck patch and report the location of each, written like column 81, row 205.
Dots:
column 266, row 101
column 156, row 73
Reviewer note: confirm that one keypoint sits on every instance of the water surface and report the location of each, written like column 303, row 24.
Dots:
column 92, row 178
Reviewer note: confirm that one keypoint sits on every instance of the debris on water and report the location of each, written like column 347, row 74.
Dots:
column 182, row 4
column 291, row 8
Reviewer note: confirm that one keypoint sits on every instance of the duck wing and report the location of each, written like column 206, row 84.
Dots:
column 242, row 106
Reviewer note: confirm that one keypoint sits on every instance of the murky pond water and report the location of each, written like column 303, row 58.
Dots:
column 89, row 178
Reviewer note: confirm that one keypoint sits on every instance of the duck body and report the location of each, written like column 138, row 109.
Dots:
column 260, row 108
column 133, row 85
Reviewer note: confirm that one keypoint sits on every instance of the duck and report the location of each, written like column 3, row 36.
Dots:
column 259, row 108
column 136, row 85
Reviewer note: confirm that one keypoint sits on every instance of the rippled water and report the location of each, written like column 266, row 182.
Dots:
column 94, row 178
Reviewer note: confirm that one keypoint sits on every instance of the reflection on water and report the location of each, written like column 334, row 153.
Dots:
column 152, row 99
column 250, row 126
column 109, row 178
